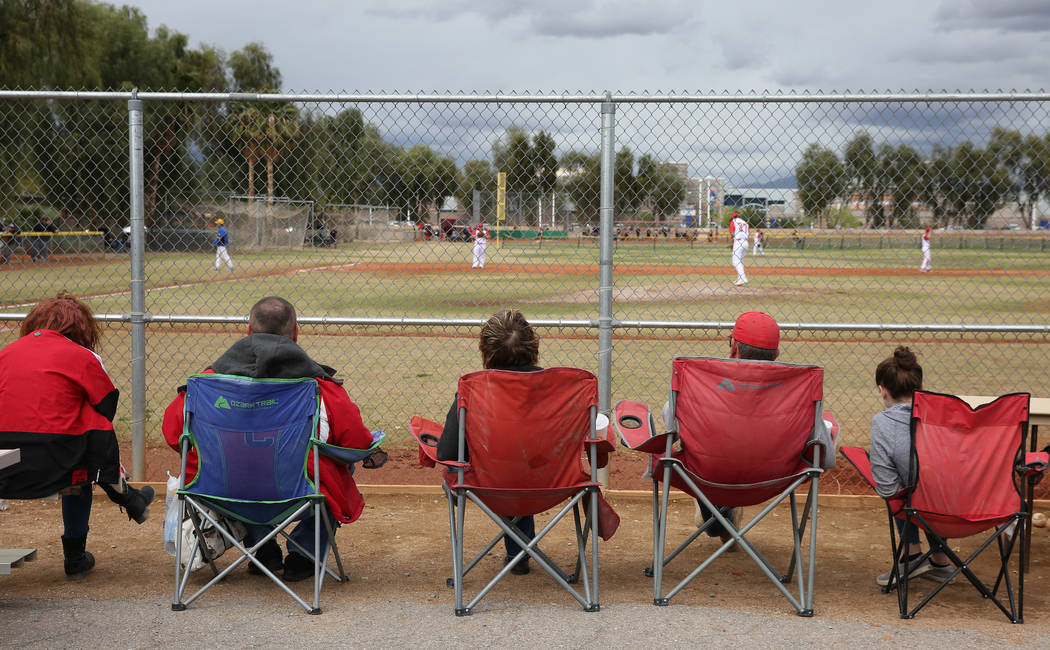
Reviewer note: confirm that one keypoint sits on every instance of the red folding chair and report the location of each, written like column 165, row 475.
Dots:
column 750, row 432
column 950, row 440
column 526, row 433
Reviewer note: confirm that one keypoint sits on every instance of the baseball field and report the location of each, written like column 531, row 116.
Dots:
column 396, row 371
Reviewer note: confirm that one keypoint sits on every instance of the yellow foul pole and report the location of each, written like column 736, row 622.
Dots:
column 501, row 203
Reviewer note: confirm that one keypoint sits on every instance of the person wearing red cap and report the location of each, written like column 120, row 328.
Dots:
column 926, row 265
column 739, row 230
column 755, row 337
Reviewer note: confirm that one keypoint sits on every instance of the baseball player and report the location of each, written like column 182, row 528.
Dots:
column 221, row 244
column 481, row 240
column 759, row 248
column 739, row 231
column 926, row 265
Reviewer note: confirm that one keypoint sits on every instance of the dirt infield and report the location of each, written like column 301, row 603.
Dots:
column 674, row 269
column 397, row 556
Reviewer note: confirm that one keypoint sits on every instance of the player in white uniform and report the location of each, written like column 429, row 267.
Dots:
column 481, row 240
column 739, row 230
column 759, row 247
column 926, row 265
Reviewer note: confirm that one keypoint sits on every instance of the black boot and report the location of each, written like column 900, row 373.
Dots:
column 78, row 561
column 134, row 501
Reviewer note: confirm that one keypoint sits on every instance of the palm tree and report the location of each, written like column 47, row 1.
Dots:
column 282, row 126
column 248, row 131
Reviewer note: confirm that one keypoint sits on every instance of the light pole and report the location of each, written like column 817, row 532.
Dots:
column 707, row 199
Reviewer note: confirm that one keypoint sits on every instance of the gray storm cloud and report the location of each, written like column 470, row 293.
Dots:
column 1002, row 15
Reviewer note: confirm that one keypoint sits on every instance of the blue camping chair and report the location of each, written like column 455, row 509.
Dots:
column 253, row 438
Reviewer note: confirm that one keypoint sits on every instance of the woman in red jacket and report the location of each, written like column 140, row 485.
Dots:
column 57, row 405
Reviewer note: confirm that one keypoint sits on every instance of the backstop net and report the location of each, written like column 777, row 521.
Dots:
column 265, row 223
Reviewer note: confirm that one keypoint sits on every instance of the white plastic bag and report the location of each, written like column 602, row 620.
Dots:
column 214, row 542
column 171, row 514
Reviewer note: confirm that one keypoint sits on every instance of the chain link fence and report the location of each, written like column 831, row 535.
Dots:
column 609, row 230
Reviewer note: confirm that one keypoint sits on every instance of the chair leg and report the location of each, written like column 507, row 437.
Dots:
column 457, row 554
column 660, row 538
column 813, row 503
column 901, row 553
column 318, row 571
column 594, row 550
column 1022, row 536
column 801, row 527
column 656, row 526
column 330, row 527
column 581, row 558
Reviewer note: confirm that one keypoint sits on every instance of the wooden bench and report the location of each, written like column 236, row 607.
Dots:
column 13, row 558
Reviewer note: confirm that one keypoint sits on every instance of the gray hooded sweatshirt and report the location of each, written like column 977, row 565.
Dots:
column 891, row 449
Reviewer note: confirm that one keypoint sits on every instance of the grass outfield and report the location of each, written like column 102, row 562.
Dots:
column 393, row 378
column 394, row 373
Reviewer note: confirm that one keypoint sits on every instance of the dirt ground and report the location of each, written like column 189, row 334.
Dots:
column 398, row 551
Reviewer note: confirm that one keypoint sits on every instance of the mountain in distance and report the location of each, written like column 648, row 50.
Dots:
column 783, row 183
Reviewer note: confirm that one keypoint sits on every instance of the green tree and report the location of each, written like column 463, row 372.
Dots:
column 545, row 164
column 626, row 192
column 425, row 179
column 253, row 70
column 260, row 131
column 661, row 186
column 582, row 183
column 477, row 175
column 821, row 180
column 982, row 185
column 862, row 174
column 905, row 173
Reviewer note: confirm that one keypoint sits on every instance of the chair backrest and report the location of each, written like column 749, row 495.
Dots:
column 252, row 438
column 525, row 430
column 950, row 441
column 744, row 422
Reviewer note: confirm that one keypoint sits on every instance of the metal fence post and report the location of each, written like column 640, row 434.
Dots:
column 605, row 273
column 138, row 292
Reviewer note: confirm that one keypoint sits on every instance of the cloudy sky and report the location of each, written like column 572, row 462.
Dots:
column 654, row 46
column 631, row 45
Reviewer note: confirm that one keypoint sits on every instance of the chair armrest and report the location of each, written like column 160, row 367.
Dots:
column 373, row 456
column 858, row 457
column 427, row 433
column 1035, row 462
column 604, row 444
column 831, row 425
column 635, row 426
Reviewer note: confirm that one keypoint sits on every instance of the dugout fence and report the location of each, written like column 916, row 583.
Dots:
column 334, row 216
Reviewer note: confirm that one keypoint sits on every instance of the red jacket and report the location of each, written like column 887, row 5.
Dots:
column 345, row 427
column 57, row 405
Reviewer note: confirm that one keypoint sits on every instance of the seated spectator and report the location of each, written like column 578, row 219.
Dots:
column 756, row 336
column 270, row 350
column 58, row 404
column 507, row 342
column 8, row 241
column 897, row 378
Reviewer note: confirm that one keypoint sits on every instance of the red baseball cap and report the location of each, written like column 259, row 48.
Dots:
column 735, row 214
column 758, row 330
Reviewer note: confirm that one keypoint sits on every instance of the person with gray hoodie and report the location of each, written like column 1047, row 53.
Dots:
column 897, row 378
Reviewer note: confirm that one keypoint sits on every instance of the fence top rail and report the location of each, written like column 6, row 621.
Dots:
column 215, row 319
column 450, row 98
